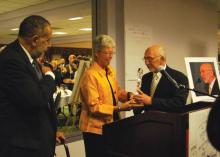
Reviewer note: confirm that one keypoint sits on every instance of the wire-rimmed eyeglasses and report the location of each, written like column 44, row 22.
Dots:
column 150, row 59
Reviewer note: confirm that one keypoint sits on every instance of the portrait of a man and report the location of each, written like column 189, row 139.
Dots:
column 203, row 76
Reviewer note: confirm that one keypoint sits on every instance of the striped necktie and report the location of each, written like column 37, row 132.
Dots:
column 210, row 89
column 154, row 83
column 37, row 69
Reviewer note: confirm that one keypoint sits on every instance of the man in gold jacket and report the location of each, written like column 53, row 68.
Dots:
column 99, row 94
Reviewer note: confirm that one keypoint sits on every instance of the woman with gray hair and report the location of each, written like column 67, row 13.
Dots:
column 100, row 94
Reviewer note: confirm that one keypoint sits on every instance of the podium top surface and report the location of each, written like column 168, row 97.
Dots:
column 192, row 107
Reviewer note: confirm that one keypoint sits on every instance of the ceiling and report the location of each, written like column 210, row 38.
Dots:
column 12, row 12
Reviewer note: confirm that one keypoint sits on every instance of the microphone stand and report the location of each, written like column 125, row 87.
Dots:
column 196, row 91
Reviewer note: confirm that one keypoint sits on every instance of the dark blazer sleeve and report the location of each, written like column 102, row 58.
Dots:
column 23, row 87
column 213, row 125
column 215, row 89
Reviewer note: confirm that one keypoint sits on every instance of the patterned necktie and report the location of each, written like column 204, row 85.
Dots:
column 154, row 83
column 37, row 69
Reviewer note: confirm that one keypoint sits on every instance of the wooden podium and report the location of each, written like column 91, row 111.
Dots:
column 152, row 134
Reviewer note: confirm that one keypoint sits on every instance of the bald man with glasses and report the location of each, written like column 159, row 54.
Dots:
column 208, row 83
column 156, row 91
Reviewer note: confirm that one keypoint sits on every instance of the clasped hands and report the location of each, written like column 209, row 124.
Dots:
column 136, row 101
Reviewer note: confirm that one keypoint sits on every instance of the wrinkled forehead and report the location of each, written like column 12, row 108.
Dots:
column 206, row 67
column 152, row 52
column 106, row 49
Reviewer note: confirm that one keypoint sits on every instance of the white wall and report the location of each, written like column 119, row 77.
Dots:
column 183, row 28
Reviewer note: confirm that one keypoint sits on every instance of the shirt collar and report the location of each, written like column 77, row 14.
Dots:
column 212, row 83
column 101, row 70
column 27, row 53
column 157, row 75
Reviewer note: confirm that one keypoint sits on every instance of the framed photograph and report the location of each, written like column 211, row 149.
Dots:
column 203, row 76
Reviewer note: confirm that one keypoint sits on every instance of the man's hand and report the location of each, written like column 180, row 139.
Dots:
column 67, row 80
column 45, row 69
column 142, row 98
column 59, row 136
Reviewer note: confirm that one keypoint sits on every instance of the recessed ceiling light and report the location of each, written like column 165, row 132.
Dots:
column 85, row 29
column 59, row 33
column 75, row 18
column 15, row 29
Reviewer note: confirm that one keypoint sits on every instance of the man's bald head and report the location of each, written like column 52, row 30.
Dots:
column 207, row 72
column 156, row 50
column 154, row 57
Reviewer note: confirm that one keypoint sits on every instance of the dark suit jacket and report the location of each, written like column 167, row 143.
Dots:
column 166, row 96
column 204, row 87
column 27, row 116
column 215, row 89
column 213, row 125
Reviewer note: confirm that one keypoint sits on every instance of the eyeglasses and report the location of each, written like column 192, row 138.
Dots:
column 108, row 53
column 150, row 59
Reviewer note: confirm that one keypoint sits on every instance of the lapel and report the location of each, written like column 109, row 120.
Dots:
column 147, row 84
column 215, row 89
column 24, row 57
column 111, row 75
column 162, row 84
column 102, row 72
column 32, row 71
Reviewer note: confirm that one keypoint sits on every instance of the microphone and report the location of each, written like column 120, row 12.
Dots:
column 164, row 73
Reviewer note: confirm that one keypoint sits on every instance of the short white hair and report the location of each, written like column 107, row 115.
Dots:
column 157, row 49
column 102, row 41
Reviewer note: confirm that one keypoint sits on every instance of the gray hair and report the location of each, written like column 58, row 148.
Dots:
column 103, row 41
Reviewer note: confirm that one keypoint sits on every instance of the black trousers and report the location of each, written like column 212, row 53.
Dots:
column 94, row 145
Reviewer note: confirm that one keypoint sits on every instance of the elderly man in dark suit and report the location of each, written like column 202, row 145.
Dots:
column 27, row 114
column 207, row 73
column 157, row 92
column 213, row 124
